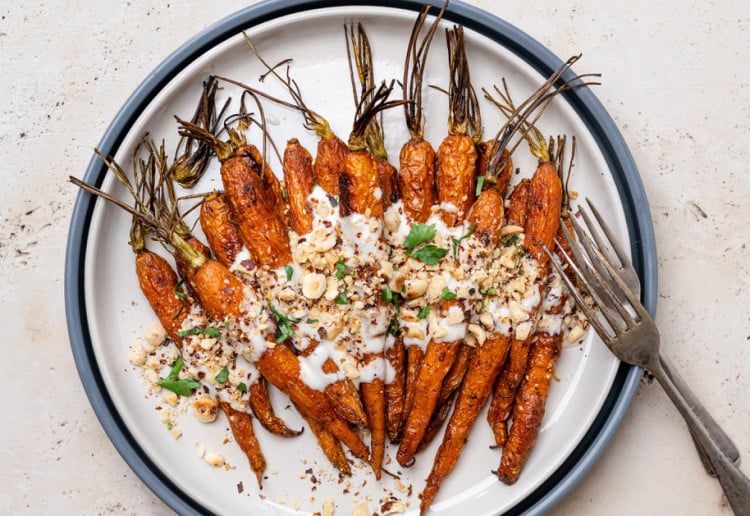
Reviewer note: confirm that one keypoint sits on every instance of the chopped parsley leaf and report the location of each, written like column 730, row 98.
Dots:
column 289, row 270
column 455, row 242
column 341, row 300
column 223, row 375
column 211, row 332
column 447, row 294
column 424, row 312
column 342, row 269
column 419, row 234
column 429, row 254
column 242, row 387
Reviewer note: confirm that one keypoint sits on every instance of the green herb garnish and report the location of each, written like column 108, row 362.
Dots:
column 429, row 254
column 180, row 386
column 289, row 270
column 510, row 240
column 210, row 331
column 455, row 242
column 311, row 321
column 342, row 300
column 242, row 387
column 419, row 234
column 424, row 312
column 284, row 324
column 179, row 294
column 447, row 294
column 342, row 269
column 387, row 295
column 480, row 184
column 489, row 292
column 223, row 375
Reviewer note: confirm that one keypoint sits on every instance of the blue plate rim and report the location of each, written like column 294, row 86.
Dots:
column 602, row 127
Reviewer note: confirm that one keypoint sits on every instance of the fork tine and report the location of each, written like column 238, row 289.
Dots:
column 594, row 275
column 591, row 316
column 629, row 294
column 610, row 243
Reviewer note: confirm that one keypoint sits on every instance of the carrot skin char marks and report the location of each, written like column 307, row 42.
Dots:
column 456, row 176
column 219, row 291
column 158, row 282
column 260, row 403
column 299, row 179
column 388, row 183
column 261, row 226
column 279, row 365
column 438, row 360
column 241, row 424
column 416, row 179
column 452, row 382
column 414, row 361
column 373, row 395
column 487, row 216
column 359, row 186
column 484, row 366
column 221, row 232
column 528, row 410
column 395, row 354
column 329, row 162
column 330, row 445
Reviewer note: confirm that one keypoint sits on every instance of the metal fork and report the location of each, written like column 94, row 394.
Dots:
column 616, row 256
column 627, row 328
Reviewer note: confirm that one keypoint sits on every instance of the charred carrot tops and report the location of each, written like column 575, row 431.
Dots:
column 456, row 186
column 457, row 155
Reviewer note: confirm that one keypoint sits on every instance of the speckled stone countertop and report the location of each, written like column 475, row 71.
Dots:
column 675, row 79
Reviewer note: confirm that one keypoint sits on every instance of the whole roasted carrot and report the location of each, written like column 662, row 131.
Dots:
column 456, row 191
column 416, row 173
column 260, row 403
column 241, row 424
column 483, row 366
column 541, row 224
column 330, row 445
column 531, row 397
column 456, row 158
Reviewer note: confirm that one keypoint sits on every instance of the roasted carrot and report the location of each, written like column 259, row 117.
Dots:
column 260, row 403
column 484, row 364
column 160, row 285
column 416, row 173
column 330, row 445
column 452, row 382
column 241, row 424
column 541, row 224
column 438, row 359
column 531, row 397
column 414, row 361
column 299, row 179
column 483, row 367
column 359, row 192
column 281, row 367
column 456, row 157
column 395, row 354
column 221, row 232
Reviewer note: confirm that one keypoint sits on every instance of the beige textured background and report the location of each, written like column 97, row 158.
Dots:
column 675, row 79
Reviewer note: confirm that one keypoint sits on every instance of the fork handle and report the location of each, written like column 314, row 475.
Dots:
column 735, row 484
column 717, row 433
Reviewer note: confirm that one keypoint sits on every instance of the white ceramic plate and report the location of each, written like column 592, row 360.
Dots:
column 107, row 312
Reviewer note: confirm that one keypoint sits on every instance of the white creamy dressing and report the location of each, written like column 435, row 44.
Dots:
column 352, row 259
